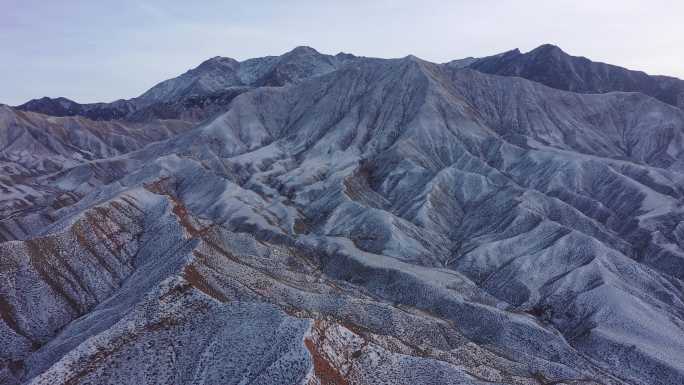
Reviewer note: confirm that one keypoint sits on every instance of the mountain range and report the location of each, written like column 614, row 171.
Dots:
column 336, row 219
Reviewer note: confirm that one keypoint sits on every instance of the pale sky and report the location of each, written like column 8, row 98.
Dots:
column 92, row 51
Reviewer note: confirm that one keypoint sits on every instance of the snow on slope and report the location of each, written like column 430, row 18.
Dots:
column 384, row 221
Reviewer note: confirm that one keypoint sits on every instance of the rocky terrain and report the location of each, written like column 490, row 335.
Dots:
column 318, row 219
column 550, row 65
column 201, row 92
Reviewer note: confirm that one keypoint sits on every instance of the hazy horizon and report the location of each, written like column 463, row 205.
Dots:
column 102, row 52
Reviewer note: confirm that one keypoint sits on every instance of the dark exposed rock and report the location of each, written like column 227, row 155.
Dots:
column 553, row 67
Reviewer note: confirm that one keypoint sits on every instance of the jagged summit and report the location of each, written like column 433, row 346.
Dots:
column 59, row 106
column 206, row 88
column 550, row 65
column 214, row 82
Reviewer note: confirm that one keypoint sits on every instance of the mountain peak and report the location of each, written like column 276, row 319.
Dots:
column 303, row 50
column 548, row 49
column 52, row 106
column 550, row 65
column 220, row 61
column 411, row 58
column 59, row 99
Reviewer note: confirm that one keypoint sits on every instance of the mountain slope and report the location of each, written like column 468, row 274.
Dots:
column 392, row 221
column 202, row 91
column 34, row 146
column 551, row 66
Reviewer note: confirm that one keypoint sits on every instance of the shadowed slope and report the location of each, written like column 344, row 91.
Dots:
column 551, row 66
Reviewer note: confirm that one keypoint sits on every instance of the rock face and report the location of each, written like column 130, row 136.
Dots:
column 65, row 107
column 549, row 65
column 348, row 220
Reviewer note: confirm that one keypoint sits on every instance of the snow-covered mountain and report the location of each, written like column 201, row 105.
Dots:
column 202, row 91
column 348, row 220
column 550, row 65
column 219, row 73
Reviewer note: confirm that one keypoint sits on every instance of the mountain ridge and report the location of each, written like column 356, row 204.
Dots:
column 550, row 65
column 205, row 86
column 510, row 63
